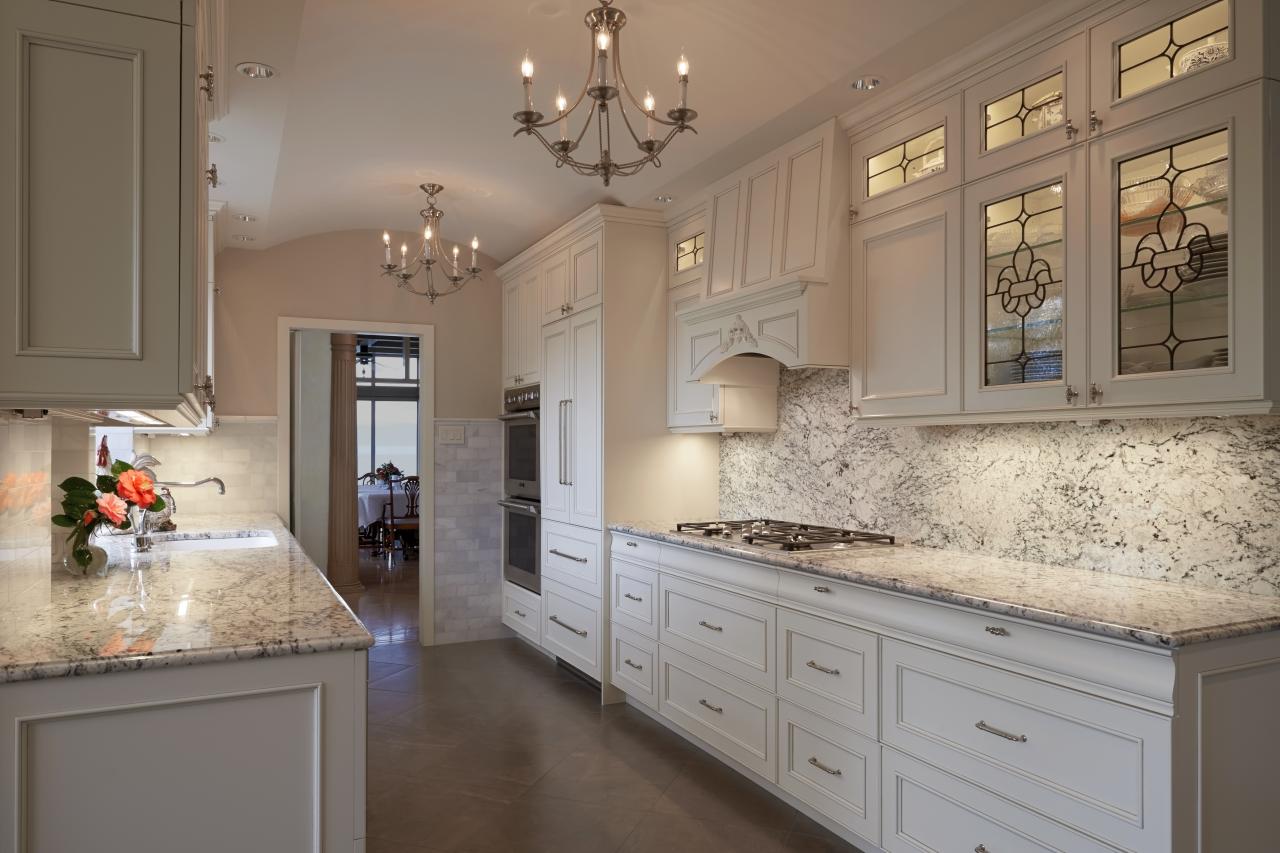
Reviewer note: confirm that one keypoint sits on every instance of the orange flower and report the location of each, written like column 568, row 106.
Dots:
column 113, row 508
column 136, row 487
column 89, row 517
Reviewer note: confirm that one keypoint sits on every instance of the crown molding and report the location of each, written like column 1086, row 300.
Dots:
column 581, row 225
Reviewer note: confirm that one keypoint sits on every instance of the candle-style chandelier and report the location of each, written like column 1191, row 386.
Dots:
column 430, row 255
column 605, row 84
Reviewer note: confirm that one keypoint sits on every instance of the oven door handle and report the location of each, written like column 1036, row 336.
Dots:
column 519, row 507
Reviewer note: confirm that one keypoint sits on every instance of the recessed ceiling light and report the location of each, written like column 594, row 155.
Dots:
column 245, row 217
column 215, row 138
column 866, row 84
column 243, row 238
column 664, row 199
column 256, row 70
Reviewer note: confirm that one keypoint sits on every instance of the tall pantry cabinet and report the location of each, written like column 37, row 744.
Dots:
column 606, row 453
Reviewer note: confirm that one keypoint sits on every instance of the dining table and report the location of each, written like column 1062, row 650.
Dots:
column 371, row 499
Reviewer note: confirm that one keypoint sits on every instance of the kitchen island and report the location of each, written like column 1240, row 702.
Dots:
column 208, row 695
column 911, row 698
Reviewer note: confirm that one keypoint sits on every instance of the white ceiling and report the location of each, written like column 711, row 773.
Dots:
column 373, row 98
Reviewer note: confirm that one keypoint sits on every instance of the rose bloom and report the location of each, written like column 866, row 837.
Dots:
column 112, row 508
column 136, row 487
column 89, row 517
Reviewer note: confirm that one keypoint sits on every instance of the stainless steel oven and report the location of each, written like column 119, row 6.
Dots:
column 521, row 543
column 520, row 443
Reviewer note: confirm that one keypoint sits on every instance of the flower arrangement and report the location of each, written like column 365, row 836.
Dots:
column 87, row 507
column 387, row 471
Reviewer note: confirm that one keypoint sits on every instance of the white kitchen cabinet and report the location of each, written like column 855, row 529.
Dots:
column 105, row 316
column 1180, row 257
column 571, row 626
column 571, row 280
column 690, row 404
column 1036, row 107
column 907, row 275
column 911, row 159
column 830, row 768
column 1026, row 287
column 522, row 612
column 1164, row 54
column 521, row 330
column 573, row 556
column 571, row 411
column 555, row 276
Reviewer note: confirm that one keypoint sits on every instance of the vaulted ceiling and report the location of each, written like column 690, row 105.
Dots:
column 373, row 98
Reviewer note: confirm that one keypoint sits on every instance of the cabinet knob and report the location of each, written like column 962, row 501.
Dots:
column 1094, row 121
column 1070, row 130
column 1095, row 392
column 712, row 418
column 211, row 175
column 206, row 82
column 1072, row 395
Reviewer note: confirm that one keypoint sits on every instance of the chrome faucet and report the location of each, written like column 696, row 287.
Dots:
column 222, row 487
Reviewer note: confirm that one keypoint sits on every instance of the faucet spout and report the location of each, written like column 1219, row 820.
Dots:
column 222, row 487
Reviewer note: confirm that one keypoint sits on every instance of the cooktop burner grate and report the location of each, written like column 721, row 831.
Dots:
column 784, row 535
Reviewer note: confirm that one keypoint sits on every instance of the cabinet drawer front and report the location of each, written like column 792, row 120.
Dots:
column 571, row 626
column 522, row 611
column 1090, row 762
column 829, row 668
column 735, row 717
column 726, row 630
column 571, row 555
column 635, row 548
column 635, row 665
column 925, row 811
column 832, row 769
column 634, row 597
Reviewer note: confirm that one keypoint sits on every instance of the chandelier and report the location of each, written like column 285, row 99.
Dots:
column 430, row 255
column 605, row 84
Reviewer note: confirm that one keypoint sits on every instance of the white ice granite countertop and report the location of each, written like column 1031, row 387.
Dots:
column 1154, row 612
column 179, row 608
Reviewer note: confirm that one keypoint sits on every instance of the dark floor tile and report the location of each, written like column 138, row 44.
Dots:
column 447, row 721
column 662, row 833
column 379, row 670
column 385, row 704
column 382, row 845
column 605, row 778
column 711, row 791
column 410, row 814
column 401, row 653
column 812, row 837
column 543, row 825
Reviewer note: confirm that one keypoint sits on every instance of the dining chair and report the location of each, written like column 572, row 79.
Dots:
column 400, row 525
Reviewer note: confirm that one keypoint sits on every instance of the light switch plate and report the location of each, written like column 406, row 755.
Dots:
column 452, row 433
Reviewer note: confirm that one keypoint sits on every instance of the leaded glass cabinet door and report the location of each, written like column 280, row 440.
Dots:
column 1163, row 54
column 915, row 158
column 1178, row 256
column 1025, row 287
column 1028, row 110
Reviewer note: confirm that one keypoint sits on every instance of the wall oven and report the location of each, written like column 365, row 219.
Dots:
column 521, row 541
column 520, row 442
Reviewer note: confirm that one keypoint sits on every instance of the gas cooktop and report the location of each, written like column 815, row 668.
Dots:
column 783, row 535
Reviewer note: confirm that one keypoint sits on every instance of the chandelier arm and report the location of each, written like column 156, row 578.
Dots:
column 653, row 157
column 581, row 94
column 622, row 84
column 631, row 130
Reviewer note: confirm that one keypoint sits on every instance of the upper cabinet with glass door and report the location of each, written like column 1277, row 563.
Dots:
column 908, row 160
column 1163, row 54
column 1028, row 110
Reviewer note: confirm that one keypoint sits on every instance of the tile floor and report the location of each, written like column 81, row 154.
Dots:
column 489, row 746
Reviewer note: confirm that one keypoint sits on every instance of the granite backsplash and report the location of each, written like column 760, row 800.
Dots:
column 1193, row 500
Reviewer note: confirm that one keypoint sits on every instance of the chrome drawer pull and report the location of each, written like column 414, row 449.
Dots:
column 981, row 848
column 632, row 597
column 704, row 703
column 631, row 544
column 709, row 626
column 820, row 668
column 997, row 631
column 824, row 768
column 559, row 553
column 632, row 663
column 556, row 619
column 521, row 614
column 822, row 589
column 982, row 724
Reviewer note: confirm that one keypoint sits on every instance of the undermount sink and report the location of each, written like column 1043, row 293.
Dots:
column 231, row 541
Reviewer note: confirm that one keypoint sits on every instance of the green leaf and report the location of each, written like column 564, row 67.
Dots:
column 82, row 556
column 158, row 506
column 106, row 484
column 65, row 521
column 76, row 484
column 120, row 467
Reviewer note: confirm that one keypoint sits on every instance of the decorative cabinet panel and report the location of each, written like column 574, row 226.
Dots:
column 521, row 329
column 907, row 275
column 909, row 160
column 571, row 406
column 1164, row 54
column 1179, row 248
column 1025, row 287
column 1031, row 109
column 690, row 404
column 103, row 316
column 556, row 299
column 571, row 279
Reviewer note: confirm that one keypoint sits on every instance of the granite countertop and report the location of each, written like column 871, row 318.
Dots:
column 1154, row 612
column 166, row 609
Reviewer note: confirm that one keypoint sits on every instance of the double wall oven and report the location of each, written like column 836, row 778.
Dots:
column 521, row 505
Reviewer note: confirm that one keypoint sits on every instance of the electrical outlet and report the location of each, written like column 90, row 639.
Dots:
column 452, row 433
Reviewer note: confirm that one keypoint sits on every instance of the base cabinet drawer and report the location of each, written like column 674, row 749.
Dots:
column 927, row 811
column 571, row 626
column 522, row 612
column 635, row 548
column 731, row 632
column 731, row 715
column 571, row 555
column 829, row 668
column 1089, row 762
column 634, row 662
column 832, row 769
column 633, row 596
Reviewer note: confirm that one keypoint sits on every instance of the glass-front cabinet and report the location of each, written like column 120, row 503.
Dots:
column 1178, row 245
column 1025, row 284
column 909, row 160
column 1162, row 54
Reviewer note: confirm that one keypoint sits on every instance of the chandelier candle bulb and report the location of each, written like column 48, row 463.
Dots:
column 649, row 105
column 526, row 74
column 682, row 77
column 562, row 103
column 602, row 58
column 455, row 259
column 386, row 245
column 404, row 255
column 475, row 247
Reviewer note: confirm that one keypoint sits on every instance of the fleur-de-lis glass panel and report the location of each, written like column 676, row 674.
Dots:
column 908, row 161
column 1037, row 107
column 1174, row 229
column 1184, row 45
column 1024, row 298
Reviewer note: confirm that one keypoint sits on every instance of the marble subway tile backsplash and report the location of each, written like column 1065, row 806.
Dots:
column 1184, row 500
column 241, row 451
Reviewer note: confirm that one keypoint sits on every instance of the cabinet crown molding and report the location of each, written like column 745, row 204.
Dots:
column 593, row 217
